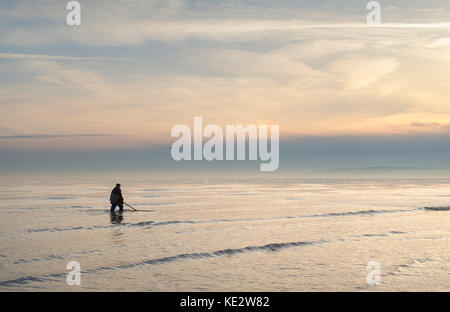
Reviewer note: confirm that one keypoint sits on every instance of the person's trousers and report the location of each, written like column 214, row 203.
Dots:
column 113, row 207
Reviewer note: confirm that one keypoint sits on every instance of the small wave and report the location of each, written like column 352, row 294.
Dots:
column 437, row 208
column 272, row 247
column 93, row 227
column 185, row 256
column 53, row 257
column 362, row 212
column 50, row 257
column 30, row 279
column 374, row 235
column 59, row 198
column 179, row 222
column 155, row 204
column 382, row 234
column 401, row 267
column 397, row 232
column 219, row 253
column 342, row 214
column 175, row 222
column 143, row 223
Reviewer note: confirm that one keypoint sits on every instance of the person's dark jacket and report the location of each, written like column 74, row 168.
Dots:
column 116, row 196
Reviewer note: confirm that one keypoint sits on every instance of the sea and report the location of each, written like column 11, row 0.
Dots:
column 230, row 234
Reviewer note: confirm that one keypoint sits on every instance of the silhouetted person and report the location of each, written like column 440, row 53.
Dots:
column 116, row 198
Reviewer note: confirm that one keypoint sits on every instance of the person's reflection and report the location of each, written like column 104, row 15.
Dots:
column 116, row 218
column 117, row 232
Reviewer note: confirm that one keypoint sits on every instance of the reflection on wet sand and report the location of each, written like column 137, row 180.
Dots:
column 116, row 218
column 117, row 234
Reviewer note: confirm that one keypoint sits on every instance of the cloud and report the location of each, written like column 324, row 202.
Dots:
column 430, row 125
column 139, row 32
column 441, row 42
column 19, row 56
column 358, row 72
column 49, row 136
column 244, row 64
column 135, row 22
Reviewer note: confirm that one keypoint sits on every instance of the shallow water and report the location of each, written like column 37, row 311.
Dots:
column 226, row 235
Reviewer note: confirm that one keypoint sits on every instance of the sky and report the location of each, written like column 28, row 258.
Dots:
column 107, row 93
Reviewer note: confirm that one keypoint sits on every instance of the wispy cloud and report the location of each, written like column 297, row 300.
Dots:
column 139, row 32
column 430, row 125
column 55, row 57
column 50, row 136
column 441, row 42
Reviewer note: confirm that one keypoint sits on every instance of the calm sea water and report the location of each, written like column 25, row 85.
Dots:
column 225, row 235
